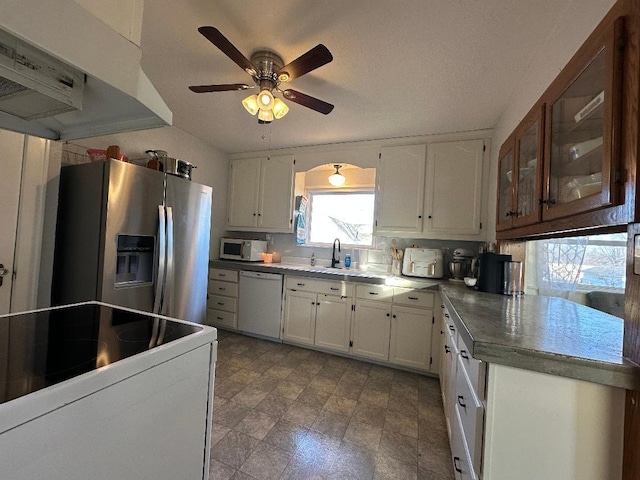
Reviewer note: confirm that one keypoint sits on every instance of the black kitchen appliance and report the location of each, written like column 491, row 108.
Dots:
column 491, row 272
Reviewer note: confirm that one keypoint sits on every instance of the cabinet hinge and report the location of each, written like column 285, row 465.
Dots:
column 484, row 148
column 379, row 155
column 353, row 308
column 351, row 343
column 294, row 161
column 480, row 225
column 433, row 320
column 376, row 223
column 430, row 360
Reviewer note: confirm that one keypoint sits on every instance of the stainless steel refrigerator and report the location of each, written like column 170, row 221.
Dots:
column 132, row 236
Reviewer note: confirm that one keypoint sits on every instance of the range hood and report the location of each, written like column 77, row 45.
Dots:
column 65, row 74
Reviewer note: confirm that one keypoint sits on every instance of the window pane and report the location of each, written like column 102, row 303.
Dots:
column 604, row 261
column 347, row 216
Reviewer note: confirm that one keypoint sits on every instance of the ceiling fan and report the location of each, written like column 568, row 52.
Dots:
column 268, row 72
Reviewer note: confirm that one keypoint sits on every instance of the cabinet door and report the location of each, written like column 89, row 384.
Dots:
column 400, row 189
column 528, row 164
column 275, row 210
column 454, row 188
column 411, row 337
column 583, row 129
column 243, row 193
column 371, row 329
column 300, row 317
column 505, row 186
column 333, row 322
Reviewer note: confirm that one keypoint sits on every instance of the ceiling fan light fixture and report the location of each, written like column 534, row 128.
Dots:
column 251, row 104
column 337, row 179
column 280, row 108
column 265, row 115
column 265, row 100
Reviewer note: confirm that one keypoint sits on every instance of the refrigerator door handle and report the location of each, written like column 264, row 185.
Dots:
column 162, row 249
column 168, row 286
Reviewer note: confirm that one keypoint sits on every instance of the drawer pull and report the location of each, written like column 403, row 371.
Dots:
column 441, row 306
column 220, row 303
column 446, row 347
column 222, row 274
column 461, row 401
column 455, row 464
column 374, row 293
column 446, row 315
column 452, row 328
column 300, row 284
column 220, row 318
column 413, row 298
column 464, row 354
column 335, row 289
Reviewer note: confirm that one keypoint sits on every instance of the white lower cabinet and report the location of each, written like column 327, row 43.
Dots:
column 371, row 330
column 299, row 317
column 333, row 326
column 222, row 298
column 318, row 312
column 410, row 337
column 462, row 465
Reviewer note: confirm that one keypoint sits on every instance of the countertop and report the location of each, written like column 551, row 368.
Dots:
column 544, row 334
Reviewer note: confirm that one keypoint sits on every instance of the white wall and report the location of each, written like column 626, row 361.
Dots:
column 571, row 29
column 212, row 164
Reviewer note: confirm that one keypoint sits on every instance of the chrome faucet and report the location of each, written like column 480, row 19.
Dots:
column 335, row 261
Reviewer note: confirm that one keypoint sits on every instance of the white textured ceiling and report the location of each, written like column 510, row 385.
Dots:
column 400, row 68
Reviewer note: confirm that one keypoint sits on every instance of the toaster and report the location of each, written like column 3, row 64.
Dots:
column 422, row 262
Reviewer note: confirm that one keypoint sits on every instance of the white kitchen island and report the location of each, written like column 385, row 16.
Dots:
column 136, row 404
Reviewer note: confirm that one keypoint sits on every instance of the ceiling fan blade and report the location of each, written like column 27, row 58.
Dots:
column 214, row 36
column 218, row 88
column 308, row 101
column 314, row 58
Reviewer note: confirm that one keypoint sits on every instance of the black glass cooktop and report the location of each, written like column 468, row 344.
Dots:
column 44, row 348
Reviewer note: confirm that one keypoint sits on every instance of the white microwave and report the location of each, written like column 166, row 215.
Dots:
column 241, row 249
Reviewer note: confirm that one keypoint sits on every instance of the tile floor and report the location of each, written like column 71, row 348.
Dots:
column 283, row 412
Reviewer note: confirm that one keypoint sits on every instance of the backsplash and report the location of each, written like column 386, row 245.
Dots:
column 377, row 259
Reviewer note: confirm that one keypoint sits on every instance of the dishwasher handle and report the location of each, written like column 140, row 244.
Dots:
column 261, row 275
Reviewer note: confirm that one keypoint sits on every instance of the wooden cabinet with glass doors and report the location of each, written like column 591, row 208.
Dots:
column 563, row 159
column 583, row 129
column 520, row 179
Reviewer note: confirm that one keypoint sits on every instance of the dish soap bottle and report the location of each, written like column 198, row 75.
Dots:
column 313, row 259
column 347, row 261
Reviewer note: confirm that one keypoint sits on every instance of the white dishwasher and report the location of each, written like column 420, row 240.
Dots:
column 260, row 303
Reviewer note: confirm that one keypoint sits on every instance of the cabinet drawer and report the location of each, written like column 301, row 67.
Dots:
column 463, row 465
column 471, row 414
column 222, row 274
column 450, row 327
column 476, row 369
column 414, row 298
column 222, row 319
column 227, row 289
column 226, row 304
column 306, row 284
column 380, row 293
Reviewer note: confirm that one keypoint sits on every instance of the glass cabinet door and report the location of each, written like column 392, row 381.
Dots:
column 582, row 122
column 529, row 148
column 505, row 185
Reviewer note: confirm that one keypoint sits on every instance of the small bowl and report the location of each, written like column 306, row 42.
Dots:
column 470, row 282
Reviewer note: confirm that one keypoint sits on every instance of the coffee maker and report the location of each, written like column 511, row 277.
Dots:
column 491, row 272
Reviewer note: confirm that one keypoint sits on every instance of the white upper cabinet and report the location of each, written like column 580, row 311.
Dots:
column 261, row 194
column 400, row 189
column 453, row 197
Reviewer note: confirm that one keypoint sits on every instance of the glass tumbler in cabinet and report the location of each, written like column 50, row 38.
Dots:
column 583, row 123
